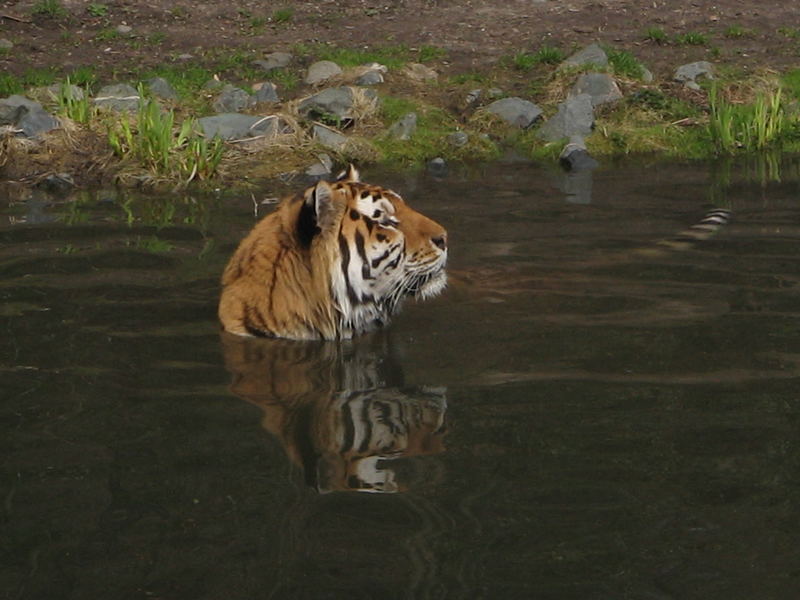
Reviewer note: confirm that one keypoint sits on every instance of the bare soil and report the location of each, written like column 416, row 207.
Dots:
column 475, row 33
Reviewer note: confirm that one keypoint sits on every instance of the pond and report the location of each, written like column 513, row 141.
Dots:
column 593, row 409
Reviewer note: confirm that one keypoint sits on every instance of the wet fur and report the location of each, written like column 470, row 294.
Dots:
column 331, row 263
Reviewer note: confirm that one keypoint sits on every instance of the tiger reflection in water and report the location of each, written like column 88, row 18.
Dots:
column 329, row 406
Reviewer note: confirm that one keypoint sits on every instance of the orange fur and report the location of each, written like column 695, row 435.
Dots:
column 308, row 270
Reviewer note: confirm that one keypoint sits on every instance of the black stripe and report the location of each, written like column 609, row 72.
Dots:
column 349, row 427
column 366, row 420
column 344, row 249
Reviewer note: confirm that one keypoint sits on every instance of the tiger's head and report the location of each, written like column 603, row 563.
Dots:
column 334, row 262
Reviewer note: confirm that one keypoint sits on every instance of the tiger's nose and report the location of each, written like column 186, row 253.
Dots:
column 440, row 241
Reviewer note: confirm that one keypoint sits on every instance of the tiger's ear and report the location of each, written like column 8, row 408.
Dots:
column 350, row 174
column 324, row 207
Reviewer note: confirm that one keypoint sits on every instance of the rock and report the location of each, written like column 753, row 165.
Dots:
column 213, row 84
column 26, row 116
column 233, row 99
column 495, row 93
column 515, row 111
column 437, row 167
column 458, row 139
column 370, row 78
column 473, row 97
column 161, row 88
column 184, row 57
column 574, row 157
column 266, row 92
column 6, row 44
column 124, row 29
column 274, row 60
column 687, row 74
column 647, row 76
column 74, row 92
column 333, row 102
column 37, row 121
column 119, row 97
column 405, row 127
column 593, row 54
column 419, row 72
column 322, row 167
column 322, row 71
column 59, row 183
column 601, row 87
column 575, row 117
column 330, row 138
column 236, row 126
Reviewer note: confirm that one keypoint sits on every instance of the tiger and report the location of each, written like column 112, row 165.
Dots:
column 332, row 262
column 337, row 409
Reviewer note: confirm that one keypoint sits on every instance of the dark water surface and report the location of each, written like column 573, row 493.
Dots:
column 584, row 414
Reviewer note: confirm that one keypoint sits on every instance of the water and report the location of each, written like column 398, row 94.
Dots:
column 588, row 414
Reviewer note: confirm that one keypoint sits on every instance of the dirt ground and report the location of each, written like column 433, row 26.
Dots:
column 475, row 33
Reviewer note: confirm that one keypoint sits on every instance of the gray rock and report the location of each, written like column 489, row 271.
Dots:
column 333, row 102
column 458, row 139
column 593, row 54
column 322, row 71
column 26, row 115
column 322, row 167
column 328, row 137
column 495, row 93
column 437, row 167
column 119, row 97
column 6, row 44
column 687, row 74
column 473, row 97
column 515, row 111
column 405, row 127
column 274, row 60
column 161, row 88
column 601, row 87
column 370, row 78
column 37, row 121
column 124, row 29
column 74, row 92
column 267, row 92
column 233, row 99
column 236, row 126
column 574, row 157
column 647, row 76
column 575, row 117
column 213, row 84
column 184, row 57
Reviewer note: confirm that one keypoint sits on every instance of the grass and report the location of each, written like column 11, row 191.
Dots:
column 76, row 107
column 691, row 38
column 51, row 9
column 735, row 127
column 546, row 55
column 624, row 63
column 160, row 147
column 429, row 140
column 791, row 83
column 656, row 35
column 282, row 15
column 737, row 31
column 96, row 9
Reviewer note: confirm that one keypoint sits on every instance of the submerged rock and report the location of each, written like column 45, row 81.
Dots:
column 574, row 157
column 516, row 111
